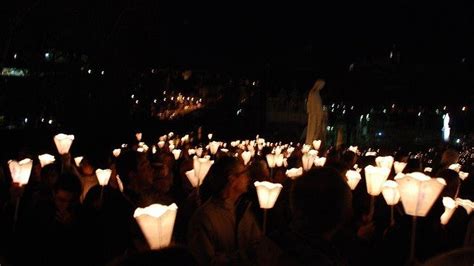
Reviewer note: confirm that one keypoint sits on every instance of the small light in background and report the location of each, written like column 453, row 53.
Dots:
column 50, row 121
column 102, row 72
column 89, row 71
column 463, row 108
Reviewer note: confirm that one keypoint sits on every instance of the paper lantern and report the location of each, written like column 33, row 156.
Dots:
column 390, row 192
column 78, row 160
column 305, row 148
column 246, row 155
column 293, row 173
column 449, row 208
column 319, row 161
column 116, row 152
column 139, row 136
column 46, row 159
column 371, row 153
column 278, row 160
column 63, row 143
column 289, row 151
column 267, row 193
column 20, row 171
column 384, row 161
column 455, row 166
column 161, row 144
column 201, row 167
column 466, row 204
column 316, row 144
column 176, row 153
column 353, row 178
column 214, row 146
column 375, row 177
column 103, row 176
column 354, row 149
column 308, row 159
column 418, row 192
column 185, row 139
column 271, row 160
column 463, row 175
column 156, row 222
column 399, row 166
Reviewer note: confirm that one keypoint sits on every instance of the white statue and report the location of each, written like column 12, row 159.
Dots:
column 314, row 108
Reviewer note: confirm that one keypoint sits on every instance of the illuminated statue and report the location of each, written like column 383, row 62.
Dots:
column 446, row 129
column 314, row 108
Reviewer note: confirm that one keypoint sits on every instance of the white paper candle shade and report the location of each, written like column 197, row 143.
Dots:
column 319, row 161
column 455, row 166
column 308, row 159
column 399, row 166
column 267, row 193
column 246, row 155
column 201, row 167
column 384, row 161
column 103, row 176
column 176, row 153
column 371, row 153
column 20, row 171
column 390, row 192
column 214, row 146
column 278, row 160
column 156, row 222
column 271, row 160
column 375, row 177
column 463, row 175
column 449, row 208
column 116, row 152
column 161, row 144
column 316, row 144
column 353, row 178
column 78, row 160
column 294, row 173
column 353, row 149
column 305, row 148
column 63, row 143
column 418, row 192
column 466, row 204
column 46, row 159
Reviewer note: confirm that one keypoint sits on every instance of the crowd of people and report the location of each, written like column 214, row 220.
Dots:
column 63, row 216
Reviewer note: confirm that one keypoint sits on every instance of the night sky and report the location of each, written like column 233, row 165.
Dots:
column 432, row 43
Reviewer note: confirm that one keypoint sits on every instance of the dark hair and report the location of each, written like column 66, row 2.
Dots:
column 68, row 182
column 321, row 200
column 127, row 162
column 218, row 176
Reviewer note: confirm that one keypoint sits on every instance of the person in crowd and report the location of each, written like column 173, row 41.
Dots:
column 223, row 231
column 315, row 222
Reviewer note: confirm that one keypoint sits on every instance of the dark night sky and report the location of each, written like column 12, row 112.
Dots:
column 341, row 32
column 432, row 38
